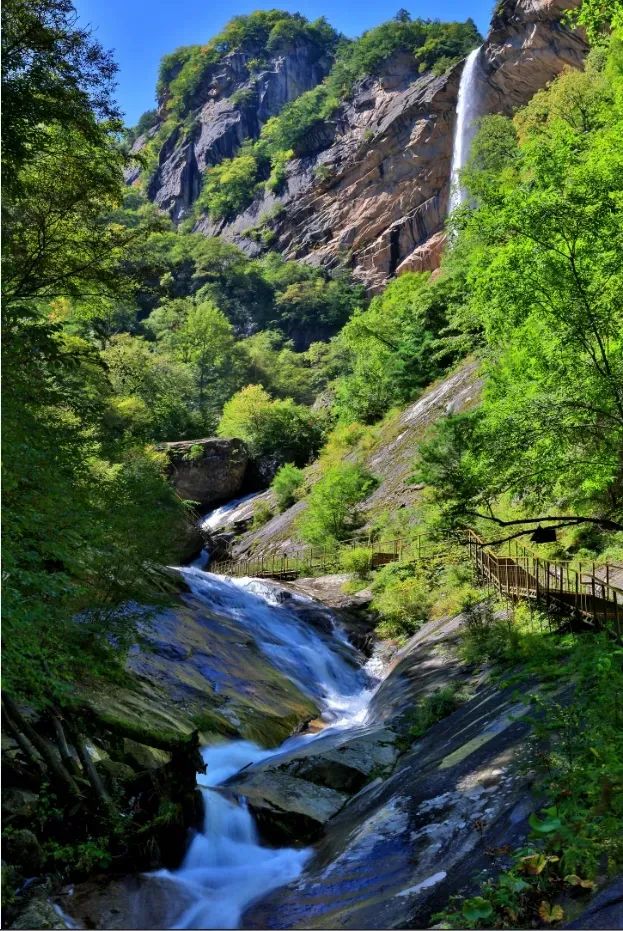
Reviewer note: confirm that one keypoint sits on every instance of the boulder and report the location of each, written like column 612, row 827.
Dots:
column 22, row 849
column 289, row 810
column 207, row 471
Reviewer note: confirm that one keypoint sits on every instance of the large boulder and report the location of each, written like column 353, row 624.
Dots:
column 293, row 796
column 207, row 471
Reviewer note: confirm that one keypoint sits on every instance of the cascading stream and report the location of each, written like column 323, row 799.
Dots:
column 467, row 112
column 226, row 867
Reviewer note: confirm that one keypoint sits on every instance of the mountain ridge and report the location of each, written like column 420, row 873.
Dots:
column 368, row 186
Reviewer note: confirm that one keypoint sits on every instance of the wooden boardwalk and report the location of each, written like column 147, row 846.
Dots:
column 594, row 594
column 306, row 560
column 591, row 593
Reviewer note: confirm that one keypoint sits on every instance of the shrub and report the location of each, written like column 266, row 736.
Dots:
column 280, row 428
column 332, row 513
column 229, row 187
column 195, row 453
column 261, row 515
column 286, row 485
column 434, row 707
column 403, row 605
column 357, row 561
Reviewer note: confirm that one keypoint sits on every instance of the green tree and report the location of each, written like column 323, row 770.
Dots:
column 332, row 513
column 79, row 536
column 280, row 429
column 544, row 280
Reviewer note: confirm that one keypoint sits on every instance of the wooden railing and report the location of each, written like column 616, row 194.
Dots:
column 582, row 589
column 310, row 560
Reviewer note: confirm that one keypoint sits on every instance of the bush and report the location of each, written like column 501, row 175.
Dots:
column 261, row 515
column 283, row 429
column 286, row 485
column 357, row 562
column 403, row 605
column 436, row 706
column 229, row 187
column 332, row 513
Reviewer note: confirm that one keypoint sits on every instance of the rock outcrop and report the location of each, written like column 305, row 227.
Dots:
column 390, row 459
column 207, row 471
column 526, row 47
column 229, row 107
column 404, row 843
column 369, row 187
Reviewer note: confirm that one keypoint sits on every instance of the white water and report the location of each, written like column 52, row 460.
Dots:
column 465, row 129
column 226, row 867
column 226, row 513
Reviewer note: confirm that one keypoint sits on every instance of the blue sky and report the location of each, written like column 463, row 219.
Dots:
column 140, row 32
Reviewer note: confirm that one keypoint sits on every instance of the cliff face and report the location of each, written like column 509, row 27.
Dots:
column 369, row 188
column 229, row 107
column 526, row 47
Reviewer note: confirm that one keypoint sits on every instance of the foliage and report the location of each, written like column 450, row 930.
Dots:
column 331, row 512
column 278, row 428
column 286, row 485
column 576, row 751
column 432, row 708
column 261, row 515
column 393, row 348
column 357, row 561
column 598, row 18
column 544, row 271
column 53, row 73
column 402, row 597
column 260, row 34
column 229, row 187
column 88, row 513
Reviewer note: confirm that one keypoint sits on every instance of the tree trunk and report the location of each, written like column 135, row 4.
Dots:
column 42, row 747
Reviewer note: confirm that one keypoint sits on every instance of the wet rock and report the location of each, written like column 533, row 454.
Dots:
column 207, row 471
column 288, row 809
column 39, row 913
column 198, row 669
column 132, row 902
column 404, row 843
column 605, row 913
column 21, row 848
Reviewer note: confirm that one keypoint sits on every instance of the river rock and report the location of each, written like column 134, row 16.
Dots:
column 198, row 669
column 288, row 810
column 400, row 848
column 131, row 902
column 207, row 471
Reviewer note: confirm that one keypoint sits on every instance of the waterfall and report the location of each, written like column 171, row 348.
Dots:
column 226, row 866
column 466, row 115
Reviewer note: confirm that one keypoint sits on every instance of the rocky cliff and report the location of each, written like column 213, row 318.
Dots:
column 229, row 106
column 368, row 187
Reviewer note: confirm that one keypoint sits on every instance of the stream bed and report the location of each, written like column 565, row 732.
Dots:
column 226, row 866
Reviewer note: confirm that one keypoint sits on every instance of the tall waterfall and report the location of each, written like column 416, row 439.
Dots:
column 466, row 115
